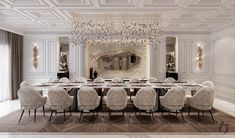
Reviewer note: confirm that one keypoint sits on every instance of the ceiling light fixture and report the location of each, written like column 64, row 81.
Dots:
column 126, row 32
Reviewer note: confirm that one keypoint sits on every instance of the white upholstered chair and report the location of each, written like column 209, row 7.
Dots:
column 25, row 84
column 134, row 80
column 99, row 80
column 59, row 99
column 64, row 79
column 81, row 80
column 28, row 84
column 145, row 100
column 170, row 80
column 174, row 100
column 152, row 80
column 202, row 100
column 116, row 100
column 88, row 100
column 117, row 80
column 30, row 99
column 209, row 84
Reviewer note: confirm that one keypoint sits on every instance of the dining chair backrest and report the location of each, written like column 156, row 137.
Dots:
column 64, row 79
column 145, row 98
column 116, row 98
column 170, row 80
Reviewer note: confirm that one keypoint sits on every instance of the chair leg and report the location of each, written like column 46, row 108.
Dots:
column 64, row 115
column 70, row 110
column 189, row 111
column 169, row 113
column 55, row 112
column 198, row 114
column 182, row 115
column 152, row 115
column 212, row 115
column 35, row 115
column 22, row 113
column 80, row 118
column 51, row 115
column 123, row 115
column 176, row 113
column 29, row 112
column 109, row 114
column 43, row 108
column 162, row 112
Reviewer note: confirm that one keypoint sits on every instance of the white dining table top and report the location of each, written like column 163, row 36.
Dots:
column 47, row 85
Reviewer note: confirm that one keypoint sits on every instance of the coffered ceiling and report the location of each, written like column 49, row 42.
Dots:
column 175, row 15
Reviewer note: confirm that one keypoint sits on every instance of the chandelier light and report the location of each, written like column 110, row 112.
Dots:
column 124, row 33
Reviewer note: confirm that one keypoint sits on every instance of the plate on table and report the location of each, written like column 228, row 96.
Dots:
column 91, row 85
column 55, row 82
column 41, row 85
column 116, row 85
column 64, row 85
column 156, row 82
column 141, row 85
column 191, row 85
column 165, row 85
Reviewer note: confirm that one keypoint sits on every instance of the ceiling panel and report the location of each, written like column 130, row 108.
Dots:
column 37, row 15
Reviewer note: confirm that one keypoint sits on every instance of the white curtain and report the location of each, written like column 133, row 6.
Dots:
column 5, row 92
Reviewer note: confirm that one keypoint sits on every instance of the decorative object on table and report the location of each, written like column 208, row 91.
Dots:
column 35, row 57
column 95, row 74
column 109, row 31
column 90, row 73
column 62, row 74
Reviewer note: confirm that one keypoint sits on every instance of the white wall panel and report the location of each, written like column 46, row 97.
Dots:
column 52, row 54
column 157, row 55
column 224, row 56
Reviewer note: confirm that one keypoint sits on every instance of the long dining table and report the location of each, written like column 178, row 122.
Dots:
column 102, row 88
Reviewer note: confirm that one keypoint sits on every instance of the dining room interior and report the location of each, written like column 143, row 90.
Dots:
column 126, row 68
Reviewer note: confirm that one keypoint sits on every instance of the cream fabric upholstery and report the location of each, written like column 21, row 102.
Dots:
column 117, row 80
column 25, row 84
column 30, row 98
column 145, row 99
column 64, row 79
column 116, row 98
column 174, row 99
column 170, row 80
column 134, row 80
column 99, row 80
column 28, row 84
column 81, row 80
column 152, row 80
column 88, row 99
column 203, row 99
column 209, row 83
column 59, row 98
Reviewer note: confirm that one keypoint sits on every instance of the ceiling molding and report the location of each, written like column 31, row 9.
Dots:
column 56, row 15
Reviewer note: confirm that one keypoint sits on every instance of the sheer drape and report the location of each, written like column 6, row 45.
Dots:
column 5, row 87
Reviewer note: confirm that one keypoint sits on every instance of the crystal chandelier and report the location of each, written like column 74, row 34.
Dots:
column 126, row 32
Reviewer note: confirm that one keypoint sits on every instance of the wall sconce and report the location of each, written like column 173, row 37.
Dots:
column 35, row 57
column 199, row 55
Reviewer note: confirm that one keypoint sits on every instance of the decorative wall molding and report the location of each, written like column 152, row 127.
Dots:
column 177, row 15
column 225, row 83
column 77, row 58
